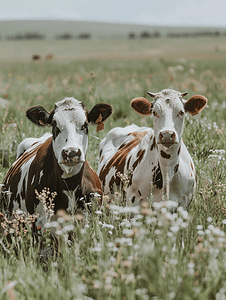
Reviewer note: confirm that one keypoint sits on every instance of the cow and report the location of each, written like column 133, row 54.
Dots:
column 49, row 56
column 154, row 160
column 36, row 57
column 55, row 161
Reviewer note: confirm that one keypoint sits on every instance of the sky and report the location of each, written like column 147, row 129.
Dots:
column 210, row 13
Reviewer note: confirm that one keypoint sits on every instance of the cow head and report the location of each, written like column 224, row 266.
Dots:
column 69, row 120
column 168, row 110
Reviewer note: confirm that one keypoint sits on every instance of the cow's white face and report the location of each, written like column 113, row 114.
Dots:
column 168, row 117
column 69, row 121
column 70, row 133
column 168, row 110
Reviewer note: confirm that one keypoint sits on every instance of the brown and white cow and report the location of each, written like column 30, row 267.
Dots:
column 157, row 157
column 56, row 161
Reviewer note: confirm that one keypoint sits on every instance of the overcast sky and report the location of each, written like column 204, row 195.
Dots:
column 150, row 12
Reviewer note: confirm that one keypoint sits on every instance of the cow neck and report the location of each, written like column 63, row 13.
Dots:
column 70, row 182
column 168, row 159
column 74, row 181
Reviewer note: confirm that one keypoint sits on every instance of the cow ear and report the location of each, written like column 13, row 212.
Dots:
column 142, row 105
column 195, row 104
column 98, row 114
column 38, row 115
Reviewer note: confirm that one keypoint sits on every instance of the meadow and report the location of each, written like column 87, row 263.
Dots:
column 115, row 251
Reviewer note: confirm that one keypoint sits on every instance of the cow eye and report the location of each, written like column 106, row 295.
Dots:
column 181, row 113
column 155, row 114
column 85, row 128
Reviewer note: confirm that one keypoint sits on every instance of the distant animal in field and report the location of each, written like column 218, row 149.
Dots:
column 49, row 56
column 36, row 57
column 55, row 161
column 155, row 160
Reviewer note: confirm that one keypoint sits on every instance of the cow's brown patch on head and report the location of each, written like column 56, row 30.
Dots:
column 192, row 166
column 176, row 168
column 179, row 150
column 153, row 144
column 191, row 175
column 165, row 155
column 157, row 177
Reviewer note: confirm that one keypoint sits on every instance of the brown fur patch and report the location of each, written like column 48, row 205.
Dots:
column 139, row 134
column 85, row 183
column 179, row 150
column 140, row 155
column 141, row 105
column 157, row 177
column 192, row 167
column 176, row 168
column 153, row 144
column 119, row 159
column 128, row 162
column 195, row 104
column 165, row 155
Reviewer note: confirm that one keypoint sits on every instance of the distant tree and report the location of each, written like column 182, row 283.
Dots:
column 65, row 36
column 148, row 35
column 26, row 36
column 156, row 34
column 84, row 36
column 194, row 34
column 145, row 35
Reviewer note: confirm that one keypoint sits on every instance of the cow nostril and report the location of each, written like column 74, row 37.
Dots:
column 78, row 153
column 64, row 153
column 70, row 154
column 74, row 153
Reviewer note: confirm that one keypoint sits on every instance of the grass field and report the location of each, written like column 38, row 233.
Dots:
column 120, row 252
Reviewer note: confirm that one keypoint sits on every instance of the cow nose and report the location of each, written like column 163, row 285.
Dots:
column 167, row 137
column 70, row 154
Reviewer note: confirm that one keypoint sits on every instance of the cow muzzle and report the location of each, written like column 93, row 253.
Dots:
column 167, row 138
column 72, row 156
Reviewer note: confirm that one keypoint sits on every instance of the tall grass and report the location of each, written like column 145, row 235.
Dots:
column 118, row 252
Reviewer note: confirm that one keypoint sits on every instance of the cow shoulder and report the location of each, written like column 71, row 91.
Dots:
column 41, row 174
column 90, row 183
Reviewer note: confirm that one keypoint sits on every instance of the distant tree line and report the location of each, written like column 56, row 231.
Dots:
column 69, row 36
column 26, row 36
column 38, row 36
column 131, row 35
column 144, row 35
column 206, row 33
